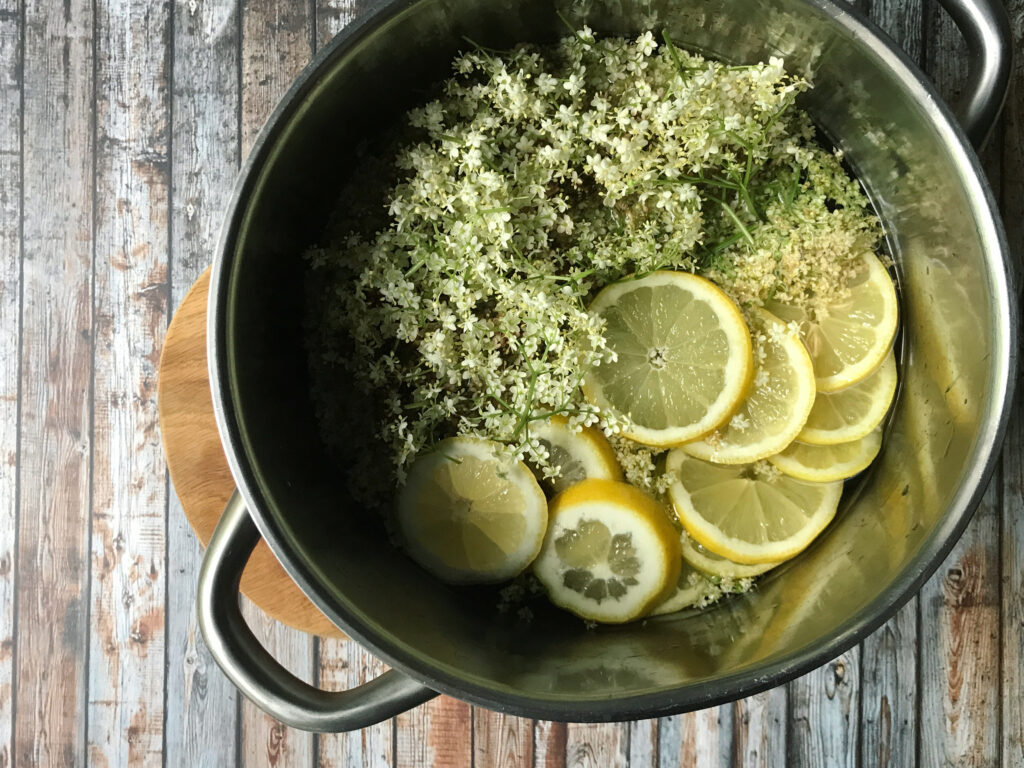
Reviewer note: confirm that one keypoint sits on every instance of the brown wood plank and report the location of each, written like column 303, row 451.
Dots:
column 263, row 741
column 436, row 733
column 202, row 706
column 958, row 663
column 1012, row 523
column 126, row 654
column 10, row 353
column 597, row 745
column 643, row 743
column 1012, row 641
column 889, row 692
column 549, row 742
column 276, row 44
column 343, row 664
column 56, row 370
column 333, row 15
column 501, row 741
column 824, row 715
column 959, row 657
column 759, row 729
column 702, row 739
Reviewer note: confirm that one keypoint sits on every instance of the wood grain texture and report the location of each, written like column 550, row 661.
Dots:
column 702, row 739
column 10, row 351
column 597, row 745
column 1012, row 607
column 199, row 468
column 202, row 708
column 824, row 718
column 56, row 373
column 276, row 43
column 549, row 743
column 760, row 729
column 502, row 741
column 959, row 606
column 127, row 578
column 643, row 742
column 342, row 665
column 959, row 657
column 332, row 16
column 439, row 732
column 1012, row 520
column 889, row 692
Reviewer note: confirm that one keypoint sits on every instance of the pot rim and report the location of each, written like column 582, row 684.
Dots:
column 756, row 677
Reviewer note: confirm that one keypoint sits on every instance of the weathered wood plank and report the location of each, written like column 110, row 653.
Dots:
column 127, row 582
column 549, row 742
column 643, row 743
column 1012, row 527
column 436, row 733
column 276, row 44
column 263, row 740
column 201, row 702
column 343, row 664
column 888, row 692
column 959, row 656
column 333, row 15
column 202, row 707
column 824, row 714
column 889, row 656
column 759, row 729
column 701, row 739
column 597, row 745
column 502, row 741
column 959, row 606
column 56, row 369
column 1012, row 645
column 901, row 20
column 10, row 352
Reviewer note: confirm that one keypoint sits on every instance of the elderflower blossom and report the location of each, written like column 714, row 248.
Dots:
column 535, row 178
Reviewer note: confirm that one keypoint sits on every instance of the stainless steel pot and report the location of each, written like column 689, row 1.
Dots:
column 959, row 343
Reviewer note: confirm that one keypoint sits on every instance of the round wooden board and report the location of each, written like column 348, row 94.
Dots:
column 199, row 469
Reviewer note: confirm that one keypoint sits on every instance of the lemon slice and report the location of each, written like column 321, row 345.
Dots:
column 748, row 513
column 610, row 552
column 706, row 561
column 827, row 463
column 468, row 516
column 851, row 337
column 851, row 413
column 692, row 589
column 577, row 455
column 778, row 404
column 684, row 357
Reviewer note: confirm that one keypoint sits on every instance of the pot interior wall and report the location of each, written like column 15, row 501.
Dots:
column 949, row 332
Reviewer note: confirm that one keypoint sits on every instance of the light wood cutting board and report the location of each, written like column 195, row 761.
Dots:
column 199, row 469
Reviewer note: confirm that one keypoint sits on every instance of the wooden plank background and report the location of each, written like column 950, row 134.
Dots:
column 122, row 125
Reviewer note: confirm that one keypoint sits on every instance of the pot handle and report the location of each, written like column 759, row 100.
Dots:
column 986, row 29
column 255, row 672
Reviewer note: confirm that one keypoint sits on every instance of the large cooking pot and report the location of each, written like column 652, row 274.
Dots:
column 958, row 352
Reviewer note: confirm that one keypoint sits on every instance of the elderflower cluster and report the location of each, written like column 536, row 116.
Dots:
column 535, row 178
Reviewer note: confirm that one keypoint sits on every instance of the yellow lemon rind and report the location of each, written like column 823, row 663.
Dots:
column 884, row 380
